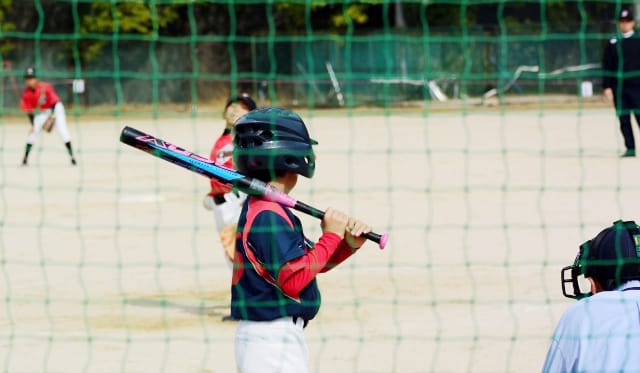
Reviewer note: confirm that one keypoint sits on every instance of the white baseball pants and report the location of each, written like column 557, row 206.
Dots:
column 276, row 346
column 60, row 125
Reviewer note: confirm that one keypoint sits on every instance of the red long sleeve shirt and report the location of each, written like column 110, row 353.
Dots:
column 328, row 252
column 43, row 97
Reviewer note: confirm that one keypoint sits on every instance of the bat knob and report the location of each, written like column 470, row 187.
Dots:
column 383, row 240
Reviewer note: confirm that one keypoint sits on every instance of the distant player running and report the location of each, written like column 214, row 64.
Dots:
column 42, row 104
column 274, row 291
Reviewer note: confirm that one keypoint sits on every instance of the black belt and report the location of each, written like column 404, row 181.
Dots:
column 219, row 199
column 633, row 288
column 304, row 323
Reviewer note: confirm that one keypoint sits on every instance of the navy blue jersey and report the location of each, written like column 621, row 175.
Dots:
column 273, row 237
column 621, row 62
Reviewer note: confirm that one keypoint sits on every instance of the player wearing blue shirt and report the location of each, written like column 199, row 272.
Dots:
column 601, row 332
column 274, row 292
column 274, row 242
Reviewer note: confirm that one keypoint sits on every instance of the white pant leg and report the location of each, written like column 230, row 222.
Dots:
column 38, row 122
column 276, row 346
column 61, row 123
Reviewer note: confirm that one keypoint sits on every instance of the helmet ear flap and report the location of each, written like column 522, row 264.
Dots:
column 291, row 161
column 267, row 135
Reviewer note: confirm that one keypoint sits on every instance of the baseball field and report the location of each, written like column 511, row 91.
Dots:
column 114, row 265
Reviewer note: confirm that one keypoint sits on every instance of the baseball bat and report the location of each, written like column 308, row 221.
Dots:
column 234, row 179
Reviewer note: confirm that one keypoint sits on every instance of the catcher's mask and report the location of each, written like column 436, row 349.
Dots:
column 612, row 258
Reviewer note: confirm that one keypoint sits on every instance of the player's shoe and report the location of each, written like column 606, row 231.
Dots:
column 24, row 161
column 73, row 161
column 628, row 153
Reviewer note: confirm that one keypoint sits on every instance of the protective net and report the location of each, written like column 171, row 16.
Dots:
column 472, row 131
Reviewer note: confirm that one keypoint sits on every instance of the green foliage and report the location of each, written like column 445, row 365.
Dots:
column 125, row 17
column 6, row 25
column 292, row 16
column 324, row 16
column 355, row 13
column 135, row 18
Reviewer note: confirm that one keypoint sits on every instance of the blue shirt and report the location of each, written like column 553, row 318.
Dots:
column 273, row 242
column 600, row 333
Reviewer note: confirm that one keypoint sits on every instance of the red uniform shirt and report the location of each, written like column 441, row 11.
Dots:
column 222, row 154
column 43, row 97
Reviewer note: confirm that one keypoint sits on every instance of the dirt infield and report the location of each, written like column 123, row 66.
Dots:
column 114, row 265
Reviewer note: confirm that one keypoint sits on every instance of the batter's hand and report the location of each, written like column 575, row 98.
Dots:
column 334, row 221
column 228, row 240
column 608, row 94
column 354, row 233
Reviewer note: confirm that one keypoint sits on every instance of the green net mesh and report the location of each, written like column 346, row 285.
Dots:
column 472, row 131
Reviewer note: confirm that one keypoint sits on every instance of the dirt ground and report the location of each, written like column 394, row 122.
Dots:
column 114, row 265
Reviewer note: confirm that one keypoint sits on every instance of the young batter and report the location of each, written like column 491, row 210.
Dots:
column 274, row 290
column 45, row 110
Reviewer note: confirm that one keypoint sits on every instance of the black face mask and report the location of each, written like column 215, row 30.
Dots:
column 610, row 274
column 571, row 275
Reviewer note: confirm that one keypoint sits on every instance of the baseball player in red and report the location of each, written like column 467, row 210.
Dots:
column 274, row 290
column 226, row 204
column 45, row 110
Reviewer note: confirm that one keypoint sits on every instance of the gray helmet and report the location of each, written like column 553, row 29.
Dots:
column 272, row 140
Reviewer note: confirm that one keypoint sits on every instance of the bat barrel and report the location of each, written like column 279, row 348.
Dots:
column 128, row 136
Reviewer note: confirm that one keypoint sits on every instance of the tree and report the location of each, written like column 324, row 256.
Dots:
column 129, row 18
column 6, row 25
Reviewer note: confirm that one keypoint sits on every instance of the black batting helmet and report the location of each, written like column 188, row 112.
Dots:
column 269, row 141
column 612, row 257
column 242, row 98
